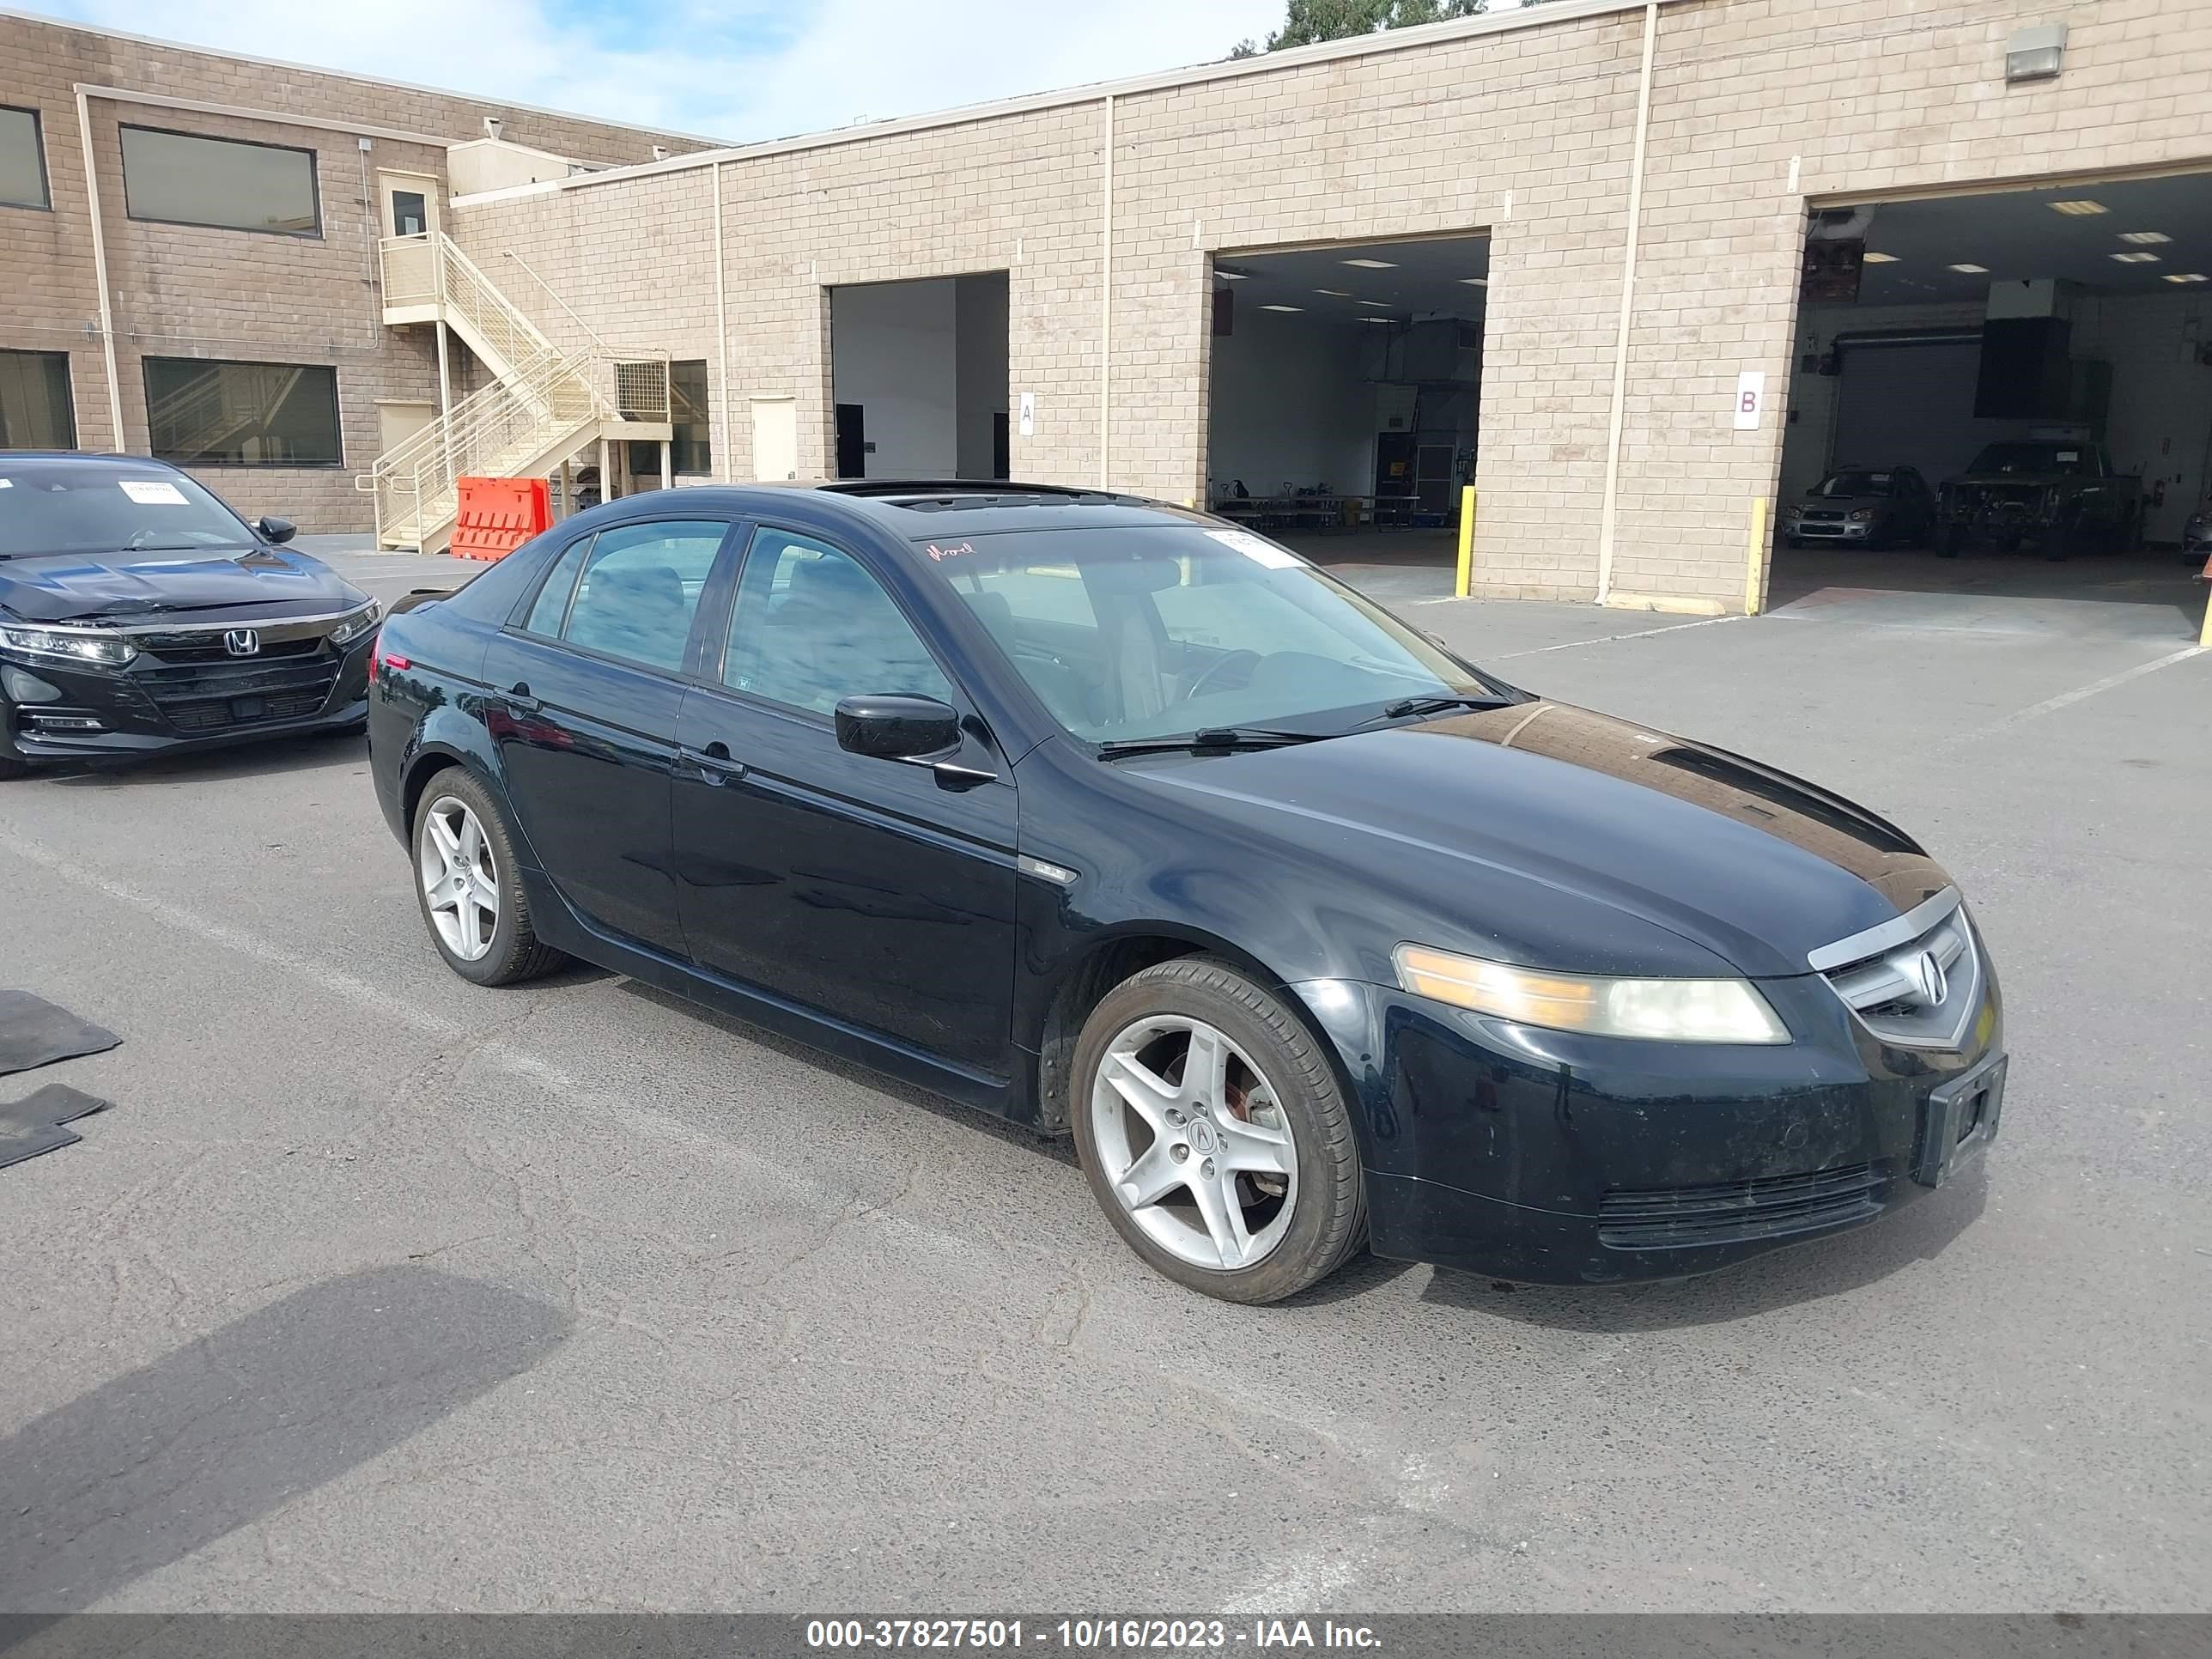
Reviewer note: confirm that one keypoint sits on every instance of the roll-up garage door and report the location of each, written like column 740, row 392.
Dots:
column 1912, row 404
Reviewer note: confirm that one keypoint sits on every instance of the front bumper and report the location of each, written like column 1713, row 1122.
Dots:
column 1548, row 1158
column 1829, row 530
column 151, row 707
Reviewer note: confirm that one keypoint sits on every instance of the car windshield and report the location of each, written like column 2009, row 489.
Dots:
column 61, row 506
column 1854, row 483
column 2071, row 460
column 1162, row 630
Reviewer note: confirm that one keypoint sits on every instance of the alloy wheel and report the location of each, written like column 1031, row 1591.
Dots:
column 460, row 882
column 1195, row 1142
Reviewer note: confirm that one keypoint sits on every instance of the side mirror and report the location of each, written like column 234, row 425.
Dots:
column 276, row 529
column 896, row 726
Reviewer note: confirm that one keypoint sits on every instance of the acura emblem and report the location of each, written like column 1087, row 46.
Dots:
column 242, row 642
column 1928, row 979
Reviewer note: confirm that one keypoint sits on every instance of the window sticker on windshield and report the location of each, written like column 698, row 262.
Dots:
column 2069, row 454
column 1256, row 549
column 154, row 492
column 958, row 550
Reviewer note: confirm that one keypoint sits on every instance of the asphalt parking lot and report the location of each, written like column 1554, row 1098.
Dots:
column 379, row 1291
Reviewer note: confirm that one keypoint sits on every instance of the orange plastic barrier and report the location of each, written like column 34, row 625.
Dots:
column 497, row 515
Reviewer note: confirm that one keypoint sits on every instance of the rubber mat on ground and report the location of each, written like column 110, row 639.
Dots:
column 33, row 1032
column 33, row 1125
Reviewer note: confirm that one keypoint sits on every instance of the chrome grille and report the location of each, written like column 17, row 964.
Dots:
column 1915, row 982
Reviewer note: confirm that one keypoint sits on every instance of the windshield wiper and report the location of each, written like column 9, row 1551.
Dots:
column 1212, row 737
column 1405, row 706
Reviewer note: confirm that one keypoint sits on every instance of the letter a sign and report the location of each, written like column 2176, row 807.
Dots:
column 1750, row 399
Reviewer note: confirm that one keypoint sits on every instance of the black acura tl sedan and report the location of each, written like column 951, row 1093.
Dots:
column 1123, row 821
column 138, row 614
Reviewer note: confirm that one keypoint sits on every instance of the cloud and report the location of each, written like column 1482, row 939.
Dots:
column 738, row 71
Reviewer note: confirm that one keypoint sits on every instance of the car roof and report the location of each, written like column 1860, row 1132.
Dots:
column 81, row 458
column 922, row 509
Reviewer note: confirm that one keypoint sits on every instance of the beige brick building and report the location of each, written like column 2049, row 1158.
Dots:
column 1638, row 177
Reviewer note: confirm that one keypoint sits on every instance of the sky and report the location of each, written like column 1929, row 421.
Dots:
column 740, row 69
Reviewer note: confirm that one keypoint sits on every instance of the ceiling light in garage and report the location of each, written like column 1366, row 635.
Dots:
column 1476, row 281
column 1229, row 276
column 1385, row 321
column 1372, row 264
column 1971, row 271
column 2147, row 238
column 2035, row 54
column 2136, row 258
column 2187, row 276
column 2078, row 209
column 1877, row 258
column 1380, row 305
column 1335, row 292
column 1282, row 307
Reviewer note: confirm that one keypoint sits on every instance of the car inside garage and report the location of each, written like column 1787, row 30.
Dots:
column 2006, row 393
column 1343, row 399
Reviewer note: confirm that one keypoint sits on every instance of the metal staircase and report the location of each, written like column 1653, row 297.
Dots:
column 542, row 406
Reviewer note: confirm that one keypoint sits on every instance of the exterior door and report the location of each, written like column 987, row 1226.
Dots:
column 410, row 204
column 776, row 439
column 858, row 886
column 586, row 691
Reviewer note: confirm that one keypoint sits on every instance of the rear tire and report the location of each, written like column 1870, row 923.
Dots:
column 467, row 874
column 1242, row 1181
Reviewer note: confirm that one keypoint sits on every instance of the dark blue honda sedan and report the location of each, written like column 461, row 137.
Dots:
column 1122, row 822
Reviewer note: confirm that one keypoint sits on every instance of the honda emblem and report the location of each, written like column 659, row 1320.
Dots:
column 242, row 642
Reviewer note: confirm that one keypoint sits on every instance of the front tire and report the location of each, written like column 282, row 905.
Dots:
column 469, row 885
column 1214, row 1134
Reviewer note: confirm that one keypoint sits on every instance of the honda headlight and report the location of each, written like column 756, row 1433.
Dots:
column 1659, row 1010
column 88, row 645
column 356, row 624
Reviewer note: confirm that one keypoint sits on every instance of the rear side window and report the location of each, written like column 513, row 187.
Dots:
column 551, row 608
column 638, row 591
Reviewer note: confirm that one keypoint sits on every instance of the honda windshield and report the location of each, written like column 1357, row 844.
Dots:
column 1162, row 630
column 69, row 507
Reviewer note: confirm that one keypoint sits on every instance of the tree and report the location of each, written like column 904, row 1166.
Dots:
column 1310, row 21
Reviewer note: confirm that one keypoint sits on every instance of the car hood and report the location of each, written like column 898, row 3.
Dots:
column 262, row 582
column 1522, row 830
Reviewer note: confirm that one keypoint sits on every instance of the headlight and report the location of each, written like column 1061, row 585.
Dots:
column 1664, row 1009
column 1860, row 514
column 1794, row 512
column 101, row 650
column 357, row 624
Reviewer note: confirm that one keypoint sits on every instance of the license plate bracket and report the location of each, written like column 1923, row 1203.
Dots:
column 248, row 709
column 1958, row 1120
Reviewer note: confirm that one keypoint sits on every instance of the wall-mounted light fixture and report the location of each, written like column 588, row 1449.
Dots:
column 2035, row 54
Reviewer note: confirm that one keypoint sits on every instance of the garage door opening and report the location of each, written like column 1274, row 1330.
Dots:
column 918, row 377
column 2007, row 394
column 1345, row 398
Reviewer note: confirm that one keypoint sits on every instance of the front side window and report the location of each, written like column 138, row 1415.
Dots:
column 811, row 627
column 185, row 178
column 1160, row 630
column 75, row 507
column 639, row 590
column 213, row 414
column 23, row 160
column 35, row 410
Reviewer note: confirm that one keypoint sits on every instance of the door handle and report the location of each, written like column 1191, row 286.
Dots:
column 517, row 697
column 712, row 764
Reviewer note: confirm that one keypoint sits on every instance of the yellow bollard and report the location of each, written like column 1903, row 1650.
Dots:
column 2204, row 639
column 1466, row 575
column 1754, row 556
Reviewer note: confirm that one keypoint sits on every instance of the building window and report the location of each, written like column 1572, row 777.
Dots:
column 23, row 160
column 183, row 179
column 35, row 409
column 208, row 414
column 688, row 412
column 411, row 213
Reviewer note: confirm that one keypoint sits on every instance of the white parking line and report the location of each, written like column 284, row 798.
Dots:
column 2064, row 699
